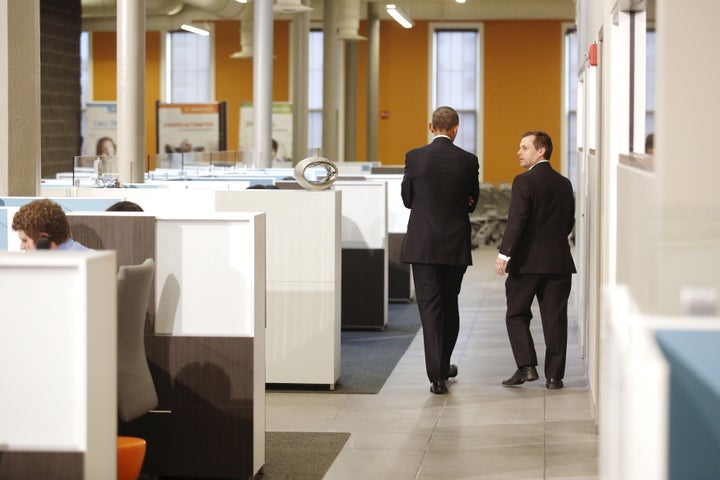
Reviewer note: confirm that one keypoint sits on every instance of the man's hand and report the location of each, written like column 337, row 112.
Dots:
column 500, row 266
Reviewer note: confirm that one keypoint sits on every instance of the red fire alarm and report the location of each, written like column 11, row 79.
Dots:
column 592, row 55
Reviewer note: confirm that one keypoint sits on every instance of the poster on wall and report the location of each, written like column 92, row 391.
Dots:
column 101, row 129
column 191, row 127
column 281, row 130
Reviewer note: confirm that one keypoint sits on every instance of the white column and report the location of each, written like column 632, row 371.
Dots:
column 330, row 83
column 131, row 90
column 263, row 84
column 299, row 84
column 373, row 68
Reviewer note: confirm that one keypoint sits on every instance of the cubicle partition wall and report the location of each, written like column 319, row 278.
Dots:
column 58, row 348
column 364, row 254
column 303, row 268
column 205, row 337
column 400, row 285
column 303, row 281
column 660, row 396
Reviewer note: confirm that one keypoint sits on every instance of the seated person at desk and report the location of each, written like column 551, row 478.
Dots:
column 42, row 225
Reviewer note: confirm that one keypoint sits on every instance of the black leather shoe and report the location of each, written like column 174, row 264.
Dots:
column 554, row 384
column 452, row 371
column 439, row 387
column 522, row 375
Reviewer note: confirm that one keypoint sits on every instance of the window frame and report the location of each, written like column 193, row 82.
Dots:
column 478, row 27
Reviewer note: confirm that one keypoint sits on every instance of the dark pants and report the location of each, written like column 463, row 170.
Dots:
column 552, row 292
column 436, row 289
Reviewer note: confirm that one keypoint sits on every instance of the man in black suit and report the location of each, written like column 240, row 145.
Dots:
column 441, row 188
column 535, row 252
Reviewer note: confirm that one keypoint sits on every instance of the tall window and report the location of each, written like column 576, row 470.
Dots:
column 650, row 82
column 456, row 80
column 570, row 104
column 315, row 89
column 188, row 67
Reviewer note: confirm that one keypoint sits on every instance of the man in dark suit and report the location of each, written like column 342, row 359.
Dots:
column 441, row 188
column 535, row 252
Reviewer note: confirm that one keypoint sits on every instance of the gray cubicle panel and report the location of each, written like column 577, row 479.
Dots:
column 58, row 348
column 130, row 234
column 364, row 254
column 207, row 353
column 400, row 285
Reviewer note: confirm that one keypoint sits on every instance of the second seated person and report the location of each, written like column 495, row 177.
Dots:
column 440, row 187
column 42, row 225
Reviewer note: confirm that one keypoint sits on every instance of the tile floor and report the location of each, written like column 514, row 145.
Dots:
column 481, row 430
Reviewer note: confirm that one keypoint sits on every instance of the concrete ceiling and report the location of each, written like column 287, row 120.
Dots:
column 437, row 10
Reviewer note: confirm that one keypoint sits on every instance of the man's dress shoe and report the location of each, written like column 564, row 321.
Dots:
column 522, row 375
column 452, row 372
column 554, row 384
column 439, row 387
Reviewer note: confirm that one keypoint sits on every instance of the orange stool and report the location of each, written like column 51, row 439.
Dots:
column 131, row 453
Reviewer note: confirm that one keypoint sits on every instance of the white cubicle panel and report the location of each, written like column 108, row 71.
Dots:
column 364, row 214
column 303, row 281
column 398, row 214
column 170, row 201
column 635, row 395
column 58, row 348
column 210, row 277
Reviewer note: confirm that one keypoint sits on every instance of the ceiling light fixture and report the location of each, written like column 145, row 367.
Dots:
column 290, row 6
column 399, row 17
column 195, row 30
column 242, row 1
column 456, row 1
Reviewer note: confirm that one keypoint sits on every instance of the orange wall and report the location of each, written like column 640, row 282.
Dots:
column 234, row 77
column 104, row 76
column 403, row 90
column 522, row 80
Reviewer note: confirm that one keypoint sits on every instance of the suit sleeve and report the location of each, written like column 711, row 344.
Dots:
column 474, row 184
column 406, row 187
column 518, row 215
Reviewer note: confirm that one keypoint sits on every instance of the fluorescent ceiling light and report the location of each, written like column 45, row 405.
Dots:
column 399, row 17
column 245, row 1
column 196, row 30
column 456, row 1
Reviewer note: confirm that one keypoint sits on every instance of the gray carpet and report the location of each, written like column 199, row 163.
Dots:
column 300, row 455
column 368, row 357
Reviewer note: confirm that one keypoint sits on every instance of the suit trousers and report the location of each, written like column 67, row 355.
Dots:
column 436, row 290
column 552, row 292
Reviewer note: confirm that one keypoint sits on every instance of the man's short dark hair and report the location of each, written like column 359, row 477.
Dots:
column 445, row 118
column 542, row 140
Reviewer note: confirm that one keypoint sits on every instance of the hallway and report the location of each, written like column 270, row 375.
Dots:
column 481, row 430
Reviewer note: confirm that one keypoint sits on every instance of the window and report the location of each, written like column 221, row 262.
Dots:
column 570, row 105
column 650, row 82
column 188, row 68
column 315, row 89
column 456, row 80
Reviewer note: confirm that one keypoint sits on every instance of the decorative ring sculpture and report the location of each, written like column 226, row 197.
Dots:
column 315, row 161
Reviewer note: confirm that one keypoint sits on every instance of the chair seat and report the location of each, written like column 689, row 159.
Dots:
column 131, row 453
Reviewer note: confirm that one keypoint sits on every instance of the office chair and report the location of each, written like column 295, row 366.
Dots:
column 136, row 390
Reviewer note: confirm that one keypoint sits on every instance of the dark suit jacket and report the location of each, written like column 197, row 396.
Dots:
column 540, row 219
column 439, row 179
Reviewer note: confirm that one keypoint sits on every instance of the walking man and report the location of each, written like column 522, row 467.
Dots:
column 441, row 188
column 535, row 252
